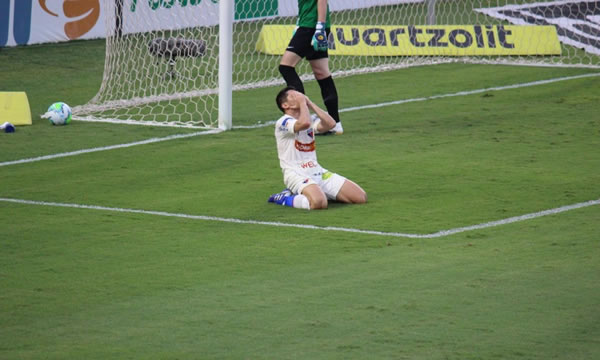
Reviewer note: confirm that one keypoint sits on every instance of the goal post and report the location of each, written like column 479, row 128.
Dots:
column 225, row 63
column 178, row 62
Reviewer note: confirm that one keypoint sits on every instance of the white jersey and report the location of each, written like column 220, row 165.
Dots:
column 297, row 151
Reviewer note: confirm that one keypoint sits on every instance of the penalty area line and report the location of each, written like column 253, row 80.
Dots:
column 439, row 234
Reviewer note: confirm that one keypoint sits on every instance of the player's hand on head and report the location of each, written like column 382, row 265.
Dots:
column 308, row 100
column 302, row 97
column 299, row 97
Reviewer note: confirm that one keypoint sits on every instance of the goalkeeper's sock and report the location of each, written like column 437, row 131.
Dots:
column 330, row 97
column 286, row 198
column 291, row 77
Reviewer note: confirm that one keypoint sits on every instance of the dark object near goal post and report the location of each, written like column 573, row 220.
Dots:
column 118, row 18
column 172, row 48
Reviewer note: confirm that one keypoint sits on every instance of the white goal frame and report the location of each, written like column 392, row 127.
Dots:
column 428, row 12
column 226, row 64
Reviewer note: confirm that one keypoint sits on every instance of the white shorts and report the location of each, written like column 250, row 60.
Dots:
column 330, row 183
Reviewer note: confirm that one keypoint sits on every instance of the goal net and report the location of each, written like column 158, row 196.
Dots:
column 162, row 56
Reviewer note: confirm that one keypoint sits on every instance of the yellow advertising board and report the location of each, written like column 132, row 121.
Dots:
column 427, row 40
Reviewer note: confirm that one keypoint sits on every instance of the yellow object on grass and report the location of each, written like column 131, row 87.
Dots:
column 14, row 108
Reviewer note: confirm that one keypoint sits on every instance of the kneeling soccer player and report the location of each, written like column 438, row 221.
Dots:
column 309, row 186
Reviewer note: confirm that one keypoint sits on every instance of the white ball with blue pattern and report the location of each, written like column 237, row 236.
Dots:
column 59, row 113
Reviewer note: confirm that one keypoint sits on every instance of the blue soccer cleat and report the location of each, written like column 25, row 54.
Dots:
column 280, row 198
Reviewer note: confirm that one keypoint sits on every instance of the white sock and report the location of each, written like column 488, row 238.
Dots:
column 301, row 202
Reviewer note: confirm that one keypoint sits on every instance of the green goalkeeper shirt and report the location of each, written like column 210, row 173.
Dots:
column 308, row 14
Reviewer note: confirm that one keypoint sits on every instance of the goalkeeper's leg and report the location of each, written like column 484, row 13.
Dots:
column 287, row 68
column 330, row 97
column 329, row 93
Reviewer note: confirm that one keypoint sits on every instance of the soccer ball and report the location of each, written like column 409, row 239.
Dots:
column 59, row 113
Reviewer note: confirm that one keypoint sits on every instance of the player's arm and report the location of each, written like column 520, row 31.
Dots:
column 303, row 121
column 327, row 122
column 322, row 11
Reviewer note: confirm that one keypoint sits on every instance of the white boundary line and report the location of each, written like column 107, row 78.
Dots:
column 270, row 123
column 439, row 234
column 472, row 92
column 104, row 148
column 435, row 97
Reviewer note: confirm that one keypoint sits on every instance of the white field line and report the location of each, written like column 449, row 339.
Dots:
column 438, row 234
column 112, row 147
column 472, row 92
column 270, row 123
column 442, row 96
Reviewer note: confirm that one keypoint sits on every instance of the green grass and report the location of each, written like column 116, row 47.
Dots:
column 98, row 285
column 91, row 284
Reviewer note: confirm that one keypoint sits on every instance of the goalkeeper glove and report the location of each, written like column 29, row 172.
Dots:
column 319, row 40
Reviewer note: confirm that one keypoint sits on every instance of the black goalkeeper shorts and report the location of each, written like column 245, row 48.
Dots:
column 301, row 44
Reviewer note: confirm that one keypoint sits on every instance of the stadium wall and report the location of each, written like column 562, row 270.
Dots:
column 26, row 22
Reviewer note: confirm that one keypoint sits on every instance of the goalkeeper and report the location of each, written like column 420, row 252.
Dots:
column 309, row 186
column 310, row 42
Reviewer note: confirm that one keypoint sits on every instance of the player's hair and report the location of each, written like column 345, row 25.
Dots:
column 282, row 97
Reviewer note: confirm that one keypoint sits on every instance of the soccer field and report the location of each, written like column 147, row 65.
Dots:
column 122, row 241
